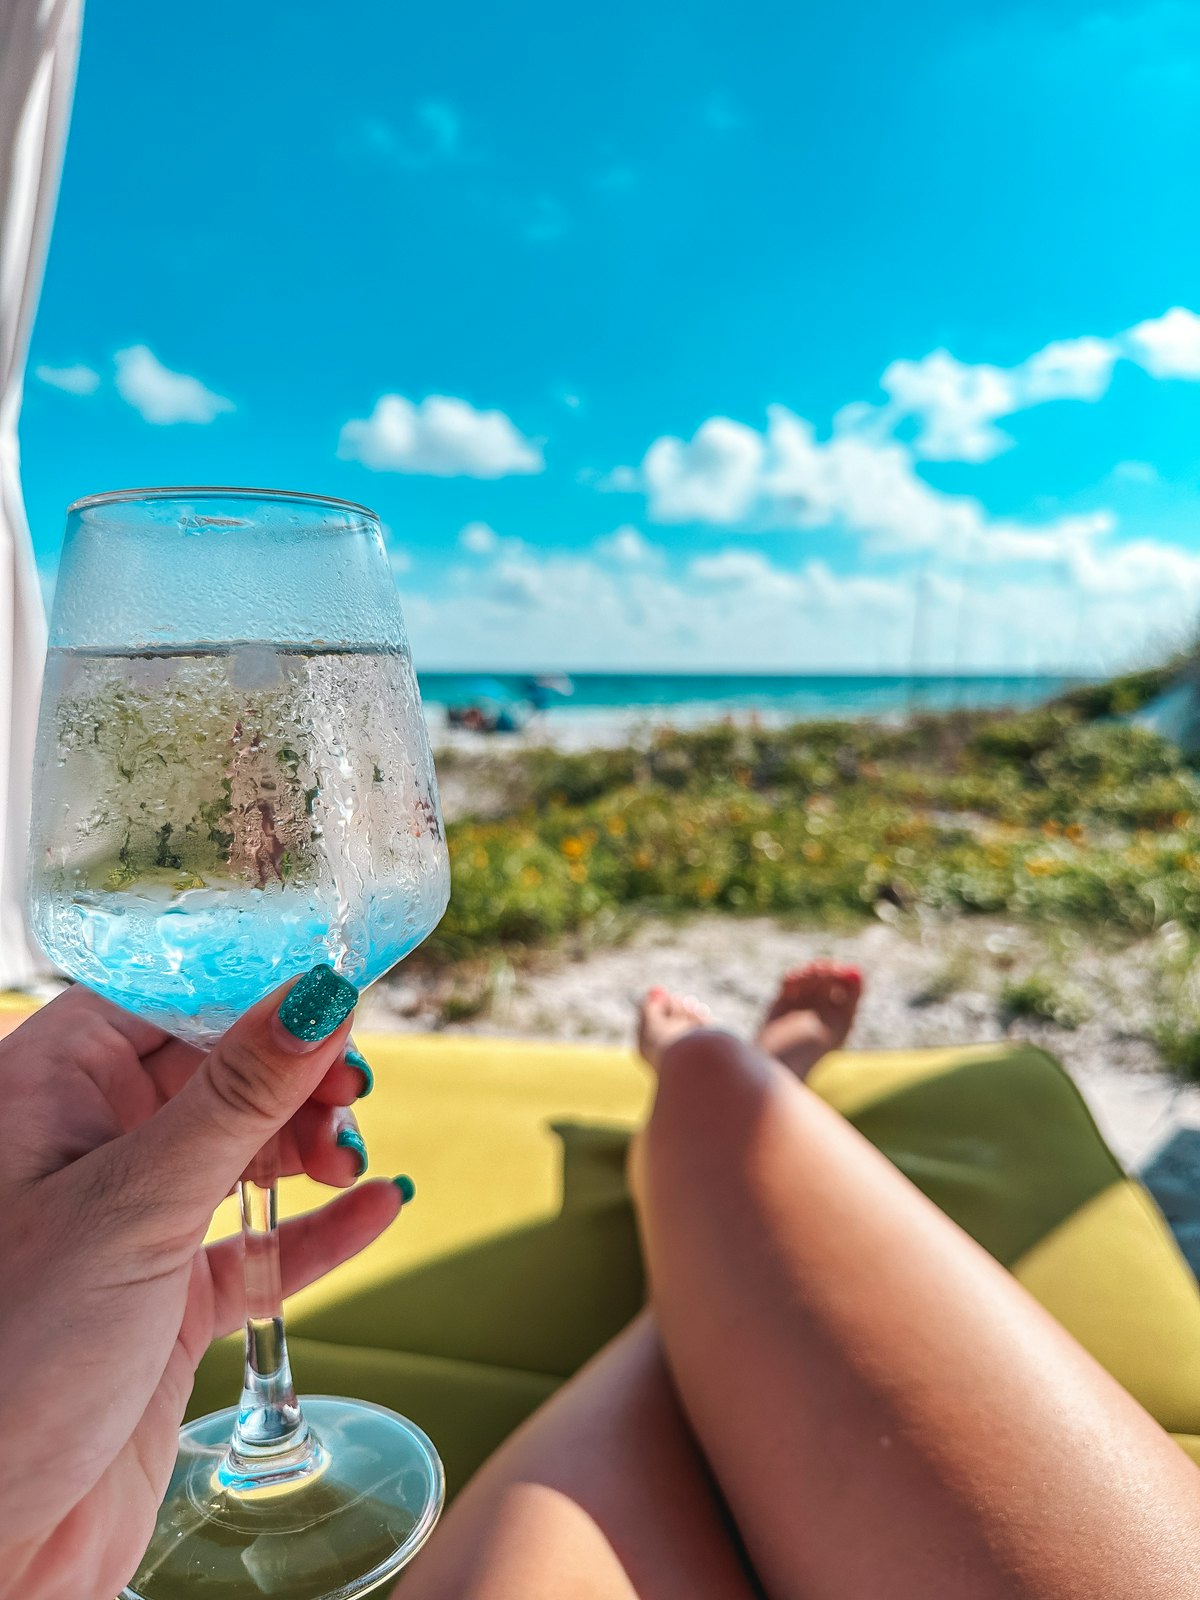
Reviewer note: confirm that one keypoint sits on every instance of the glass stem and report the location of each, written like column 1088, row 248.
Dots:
column 271, row 1441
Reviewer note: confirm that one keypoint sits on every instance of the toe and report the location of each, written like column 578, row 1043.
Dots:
column 696, row 1010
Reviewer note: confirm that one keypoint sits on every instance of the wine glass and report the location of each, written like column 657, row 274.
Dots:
column 233, row 784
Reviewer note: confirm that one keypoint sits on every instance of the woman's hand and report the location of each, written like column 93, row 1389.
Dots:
column 118, row 1144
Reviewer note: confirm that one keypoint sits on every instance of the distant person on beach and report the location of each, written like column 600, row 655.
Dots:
column 833, row 1394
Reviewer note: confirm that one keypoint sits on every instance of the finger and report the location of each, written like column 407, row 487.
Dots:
column 309, row 1246
column 142, row 1035
column 331, row 1147
column 171, row 1066
column 323, row 1142
column 349, row 1079
column 80, row 1007
column 254, row 1079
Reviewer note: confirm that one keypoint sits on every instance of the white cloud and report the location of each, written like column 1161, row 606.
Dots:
column 479, row 538
column 521, row 582
column 866, row 486
column 533, row 608
column 1064, row 591
column 433, row 138
column 441, row 125
column 441, row 436
column 731, row 475
column 1167, row 346
column 864, row 479
column 1057, row 543
column 1066, row 369
column 621, row 480
column 628, row 546
column 77, row 379
column 735, row 609
column 739, row 568
column 957, row 404
column 1138, row 567
column 714, row 478
column 1136, row 472
column 163, row 396
column 749, row 575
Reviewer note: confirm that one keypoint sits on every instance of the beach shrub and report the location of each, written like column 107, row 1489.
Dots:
column 1042, row 816
column 950, row 977
column 1178, row 1041
column 1019, row 740
column 1107, row 756
column 575, row 777
column 1038, row 997
column 1118, row 697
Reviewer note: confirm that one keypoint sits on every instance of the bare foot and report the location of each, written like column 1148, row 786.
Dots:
column 663, row 1018
column 811, row 1015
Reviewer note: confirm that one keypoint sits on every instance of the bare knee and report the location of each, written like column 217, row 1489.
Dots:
column 714, row 1090
column 530, row 1542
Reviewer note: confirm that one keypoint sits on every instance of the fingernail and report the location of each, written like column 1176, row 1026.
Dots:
column 351, row 1139
column 318, row 1004
column 406, row 1186
column 355, row 1058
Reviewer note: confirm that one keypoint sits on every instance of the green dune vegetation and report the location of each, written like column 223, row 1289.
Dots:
column 1066, row 817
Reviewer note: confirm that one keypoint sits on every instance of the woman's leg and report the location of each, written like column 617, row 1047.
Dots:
column 888, row 1414
column 602, row 1495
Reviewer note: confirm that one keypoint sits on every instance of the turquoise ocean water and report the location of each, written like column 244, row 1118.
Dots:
column 694, row 697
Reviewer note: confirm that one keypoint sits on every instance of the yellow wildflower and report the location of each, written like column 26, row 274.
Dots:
column 1044, row 866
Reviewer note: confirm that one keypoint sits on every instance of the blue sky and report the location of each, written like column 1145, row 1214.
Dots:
column 660, row 334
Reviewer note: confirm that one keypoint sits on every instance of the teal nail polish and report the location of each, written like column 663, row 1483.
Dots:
column 318, row 1004
column 406, row 1186
column 351, row 1139
column 355, row 1059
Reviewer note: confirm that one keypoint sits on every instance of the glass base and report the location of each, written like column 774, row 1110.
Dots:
column 344, row 1529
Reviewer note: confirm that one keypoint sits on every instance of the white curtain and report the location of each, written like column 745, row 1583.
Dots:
column 39, row 47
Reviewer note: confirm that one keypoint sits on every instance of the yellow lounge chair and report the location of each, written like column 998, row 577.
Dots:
column 519, row 1257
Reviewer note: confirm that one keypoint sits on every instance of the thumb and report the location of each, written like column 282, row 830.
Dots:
column 257, row 1076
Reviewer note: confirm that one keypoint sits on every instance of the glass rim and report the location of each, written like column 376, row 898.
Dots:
column 115, row 497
